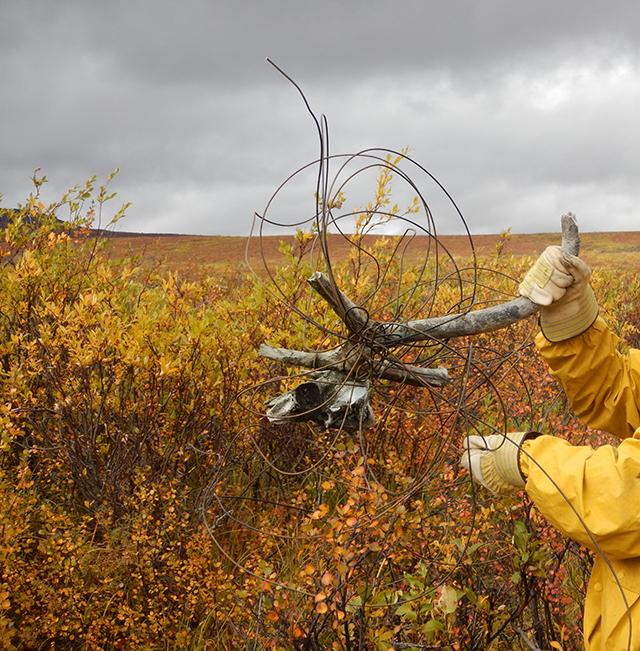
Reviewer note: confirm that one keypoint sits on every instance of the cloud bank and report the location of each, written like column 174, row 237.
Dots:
column 522, row 111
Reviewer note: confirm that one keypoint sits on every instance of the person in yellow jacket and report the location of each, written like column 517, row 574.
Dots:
column 591, row 495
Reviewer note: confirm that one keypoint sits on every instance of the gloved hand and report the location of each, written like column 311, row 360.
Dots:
column 494, row 461
column 559, row 283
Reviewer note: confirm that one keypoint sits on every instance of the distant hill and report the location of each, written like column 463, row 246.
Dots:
column 9, row 214
column 215, row 253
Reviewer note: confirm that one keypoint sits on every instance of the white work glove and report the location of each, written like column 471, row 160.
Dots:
column 494, row 461
column 559, row 283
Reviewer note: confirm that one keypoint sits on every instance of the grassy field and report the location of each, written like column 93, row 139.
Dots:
column 190, row 254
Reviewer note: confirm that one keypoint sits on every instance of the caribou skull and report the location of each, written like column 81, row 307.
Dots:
column 335, row 396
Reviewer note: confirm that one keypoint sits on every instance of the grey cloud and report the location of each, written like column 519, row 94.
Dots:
column 522, row 110
column 227, row 40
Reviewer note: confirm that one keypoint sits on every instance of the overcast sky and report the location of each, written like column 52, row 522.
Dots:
column 522, row 109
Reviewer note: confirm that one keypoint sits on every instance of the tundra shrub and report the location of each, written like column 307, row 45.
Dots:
column 146, row 503
column 119, row 395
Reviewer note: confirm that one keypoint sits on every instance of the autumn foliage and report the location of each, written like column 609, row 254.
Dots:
column 146, row 502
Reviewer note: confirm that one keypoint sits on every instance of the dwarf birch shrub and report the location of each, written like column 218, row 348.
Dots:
column 120, row 391
column 146, row 503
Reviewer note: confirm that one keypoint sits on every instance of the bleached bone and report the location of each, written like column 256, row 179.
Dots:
column 339, row 359
column 330, row 399
column 444, row 327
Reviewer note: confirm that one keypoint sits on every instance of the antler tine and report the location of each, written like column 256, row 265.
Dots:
column 447, row 327
column 477, row 321
column 355, row 317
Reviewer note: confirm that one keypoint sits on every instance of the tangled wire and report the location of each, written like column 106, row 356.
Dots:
column 378, row 532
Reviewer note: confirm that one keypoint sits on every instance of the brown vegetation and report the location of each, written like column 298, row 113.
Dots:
column 191, row 254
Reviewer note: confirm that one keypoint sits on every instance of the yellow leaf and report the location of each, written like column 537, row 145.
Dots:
column 448, row 600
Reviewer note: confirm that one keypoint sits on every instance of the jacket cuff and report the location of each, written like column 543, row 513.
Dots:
column 573, row 325
column 524, row 460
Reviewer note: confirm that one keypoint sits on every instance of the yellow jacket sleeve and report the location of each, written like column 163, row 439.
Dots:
column 578, row 488
column 603, row 385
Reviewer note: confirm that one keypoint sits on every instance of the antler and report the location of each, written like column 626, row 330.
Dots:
column 480, row 321
column 370, row 342
column 389, row 334
column 336, row 397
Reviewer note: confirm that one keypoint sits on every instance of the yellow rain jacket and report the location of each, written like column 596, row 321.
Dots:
column 600, row 487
